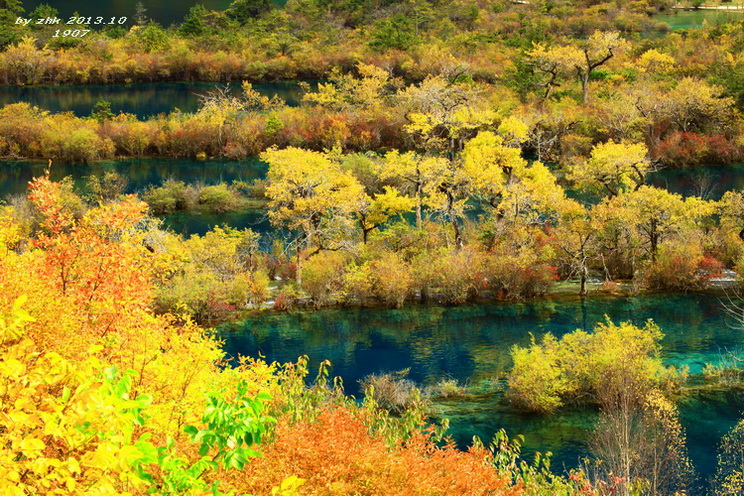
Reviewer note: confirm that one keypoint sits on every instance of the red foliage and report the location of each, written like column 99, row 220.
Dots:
column 692, row 148
column 709, row 267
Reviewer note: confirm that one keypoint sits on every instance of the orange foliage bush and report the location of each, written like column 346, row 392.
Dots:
column 89, row 282
column 337, row 456
column 681, row 268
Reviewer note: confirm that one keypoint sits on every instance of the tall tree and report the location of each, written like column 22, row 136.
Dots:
column 596, row 51
column 415, row 172
column 10, row 10
column 615, row 167
column 312, row 196
column 245, row 10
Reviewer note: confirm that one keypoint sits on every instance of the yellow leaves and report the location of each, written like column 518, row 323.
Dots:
column 288, row 487
column 420, row 123
column 601, row 43
column 257, row 102
column 514, row 130
column 326, row 96
column 469, row 118
column 11, row 327
column 60, row 408
column 616, row 167
column 561, row 58
column 104, row 458
column 31, row 447
column 386, row 205
column 441, row 112
column 500, row 175
column 11, row 231
column 581, row 364
column 416, row 169
column 307, row 189
column 346, row 91
column 12, row 368
column 487, row 163
column 654, row 61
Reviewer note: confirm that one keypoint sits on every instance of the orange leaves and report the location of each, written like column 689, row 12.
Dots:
column 89, row 277
column 47, row 198
column 97, row 264
column 337, row 456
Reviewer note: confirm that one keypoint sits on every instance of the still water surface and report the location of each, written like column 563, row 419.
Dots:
column 141, row 173
column 471, row 344
column 693, row 19
column 141, row 99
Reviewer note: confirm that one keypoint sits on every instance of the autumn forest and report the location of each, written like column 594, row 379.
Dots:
column 372, row 247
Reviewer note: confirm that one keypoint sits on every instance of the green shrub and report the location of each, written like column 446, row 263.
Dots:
column 200, row 293
column 150, row 38
column 358, row 283
column 73, row 140
column 248, row 288
column 171, row 196
column 219, row 198
column 537, row 382
column 398, row 32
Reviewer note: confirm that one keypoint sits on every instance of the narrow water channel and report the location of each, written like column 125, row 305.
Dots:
column 141, row 99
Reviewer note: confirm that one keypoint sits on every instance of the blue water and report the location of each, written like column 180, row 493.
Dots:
column 141, row 173
column 141, row 99
column 471, row 344
column 694, row 19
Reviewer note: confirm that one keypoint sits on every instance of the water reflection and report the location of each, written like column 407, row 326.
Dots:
column 471, row 343
column 141, row 173
column 693, row 19
column 140, row 99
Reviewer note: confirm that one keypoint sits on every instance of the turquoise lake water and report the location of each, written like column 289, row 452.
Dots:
column 471, row 344
column 14, row 178
column 141, row 99
column 693, row 19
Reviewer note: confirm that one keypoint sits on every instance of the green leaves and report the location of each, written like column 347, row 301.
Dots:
column 230, row 425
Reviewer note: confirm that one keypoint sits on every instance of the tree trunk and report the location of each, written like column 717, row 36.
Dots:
column 584, row 277
column 418, row 205
column 453, row 219
column 654, row 238
column 458, row 234
column 585, row 86
column 298, row 268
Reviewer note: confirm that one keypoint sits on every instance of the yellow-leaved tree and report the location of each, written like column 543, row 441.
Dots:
column 614, row 167
column 311, row 195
